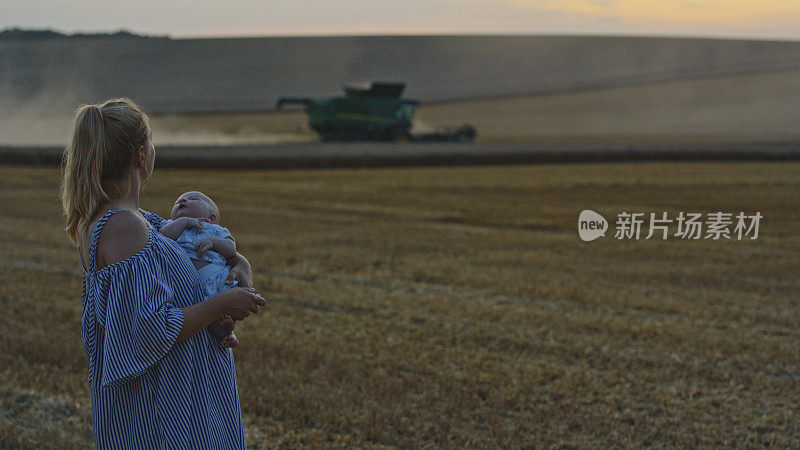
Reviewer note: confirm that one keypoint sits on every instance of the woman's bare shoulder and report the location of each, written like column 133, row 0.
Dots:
column 123, row 235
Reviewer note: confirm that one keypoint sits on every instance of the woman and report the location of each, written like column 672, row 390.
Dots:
column 157, row 378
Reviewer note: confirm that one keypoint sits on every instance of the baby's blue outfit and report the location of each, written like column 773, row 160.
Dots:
column 212, row 277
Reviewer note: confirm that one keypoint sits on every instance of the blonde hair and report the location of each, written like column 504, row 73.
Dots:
column 98, row 158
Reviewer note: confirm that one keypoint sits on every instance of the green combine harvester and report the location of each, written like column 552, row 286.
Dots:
column 372, row 113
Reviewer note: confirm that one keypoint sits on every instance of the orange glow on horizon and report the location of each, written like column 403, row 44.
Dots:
column 725, row 19
column 729, row 13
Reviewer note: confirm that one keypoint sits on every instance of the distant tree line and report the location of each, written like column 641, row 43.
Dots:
column 18, row 34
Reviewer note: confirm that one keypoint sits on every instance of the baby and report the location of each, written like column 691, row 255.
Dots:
column 194, row 226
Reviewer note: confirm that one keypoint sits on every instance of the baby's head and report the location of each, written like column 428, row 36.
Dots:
column 195, row 204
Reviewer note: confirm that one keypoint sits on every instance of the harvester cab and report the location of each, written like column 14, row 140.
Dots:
column 374, row 112
column 365, row 113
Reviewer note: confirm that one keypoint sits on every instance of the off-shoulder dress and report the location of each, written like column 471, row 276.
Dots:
column 146, row 390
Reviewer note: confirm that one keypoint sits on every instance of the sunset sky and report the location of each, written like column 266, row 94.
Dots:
column 766, row 19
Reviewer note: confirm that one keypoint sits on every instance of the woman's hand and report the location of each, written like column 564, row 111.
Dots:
column 240, row 271
column 240, row 302
column 237, row 302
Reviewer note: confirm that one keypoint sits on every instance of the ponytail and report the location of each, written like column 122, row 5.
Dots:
column 98, row 158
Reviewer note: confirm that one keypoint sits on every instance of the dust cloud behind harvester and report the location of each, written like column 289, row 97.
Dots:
column 180, row 75
column 48, row 78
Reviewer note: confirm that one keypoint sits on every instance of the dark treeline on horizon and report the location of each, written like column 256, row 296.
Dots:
column 19, row 34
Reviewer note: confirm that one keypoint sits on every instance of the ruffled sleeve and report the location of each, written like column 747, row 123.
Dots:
column 139, row 318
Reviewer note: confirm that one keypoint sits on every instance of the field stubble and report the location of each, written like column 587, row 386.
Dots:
column 451, row 307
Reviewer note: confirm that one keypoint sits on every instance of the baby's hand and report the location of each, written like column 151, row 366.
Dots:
column 191, row 222
column 204, row 246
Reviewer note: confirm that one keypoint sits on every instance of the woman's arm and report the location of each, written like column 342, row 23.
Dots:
column 237, row 302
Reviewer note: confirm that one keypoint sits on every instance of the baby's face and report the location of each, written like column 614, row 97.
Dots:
column 194, row 204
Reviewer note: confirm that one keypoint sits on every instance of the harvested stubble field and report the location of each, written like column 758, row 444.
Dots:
column 454, row 307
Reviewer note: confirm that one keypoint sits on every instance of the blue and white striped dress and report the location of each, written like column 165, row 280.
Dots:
column 148, row 392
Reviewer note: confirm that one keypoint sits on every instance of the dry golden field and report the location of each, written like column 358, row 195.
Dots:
column 454, row 307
